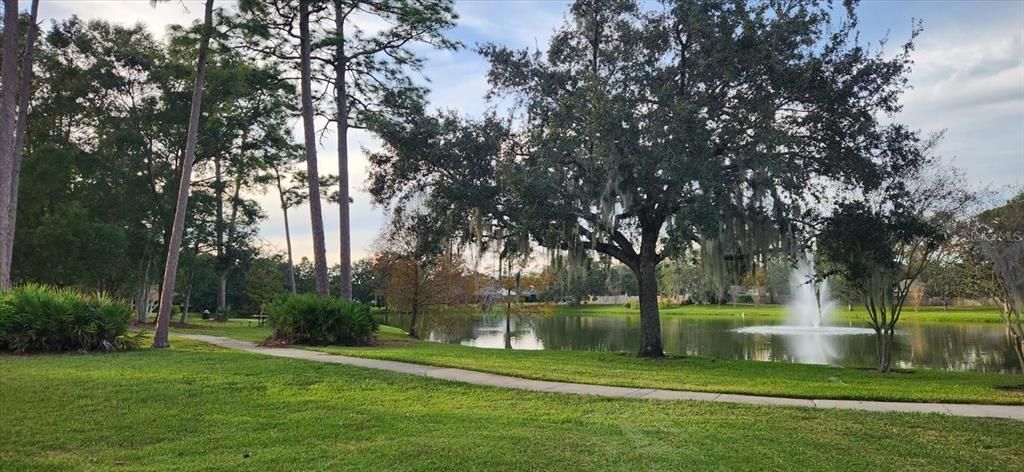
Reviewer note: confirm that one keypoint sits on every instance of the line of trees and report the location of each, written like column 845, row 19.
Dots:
column 204, row 117
column 106, row 150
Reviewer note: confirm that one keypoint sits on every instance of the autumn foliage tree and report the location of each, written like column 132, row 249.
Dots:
column 416, row 275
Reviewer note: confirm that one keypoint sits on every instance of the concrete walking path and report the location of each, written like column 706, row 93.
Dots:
column 495, row 380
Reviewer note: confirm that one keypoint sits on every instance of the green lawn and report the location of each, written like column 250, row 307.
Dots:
column 194, row 407
column 239, row 328
column 687, row 373
column 925, row 314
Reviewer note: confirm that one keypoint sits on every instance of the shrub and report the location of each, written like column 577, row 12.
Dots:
column 627, row 305
column 310, row 319
column 224, row 314
column 35, row 318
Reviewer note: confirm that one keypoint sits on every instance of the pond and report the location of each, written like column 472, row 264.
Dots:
column 979, row 347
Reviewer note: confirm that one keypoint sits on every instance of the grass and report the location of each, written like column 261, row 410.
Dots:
column 239, row 328
column 682, row 373
column 194, row 407
column 925, row 314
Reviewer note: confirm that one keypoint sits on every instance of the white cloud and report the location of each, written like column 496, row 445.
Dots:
column 972, row 86
column 157, row 18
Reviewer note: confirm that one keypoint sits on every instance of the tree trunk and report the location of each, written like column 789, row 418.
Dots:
column 218, row 193
column 883, row 348
column 7, row 239
column 1017, row 339
column 415, row 305
column 646, row 275
column 650, row 320
column 140, row 302
column 341, row 94
column 312, row 172
column 186, row 303
column 137, row 301
column 222, row 290
column 178, row 229
column 508, row 329
column 142, row 295
column 8, row 117
column 229, row 244
column 413, row 331
column 287, row 231
column 1012, row 321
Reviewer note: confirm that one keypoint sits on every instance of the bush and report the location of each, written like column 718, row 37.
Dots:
column 224, row 314
column 311, row 319
column 35, row 318
column 627, row 305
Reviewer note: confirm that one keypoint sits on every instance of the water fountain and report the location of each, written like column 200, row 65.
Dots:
column 808, row 313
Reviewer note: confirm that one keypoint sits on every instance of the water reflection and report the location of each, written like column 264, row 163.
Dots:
column 982, row 347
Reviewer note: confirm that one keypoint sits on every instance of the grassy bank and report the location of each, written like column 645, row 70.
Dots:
column 925, row 314
column 194, row 407
column 705, row 374
column 685, row 373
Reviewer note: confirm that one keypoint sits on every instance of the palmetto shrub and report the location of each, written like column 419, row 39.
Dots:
column 36, row 318
column 310, row 319
column 224, row 314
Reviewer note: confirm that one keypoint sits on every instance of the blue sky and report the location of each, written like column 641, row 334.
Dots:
column 968, row 80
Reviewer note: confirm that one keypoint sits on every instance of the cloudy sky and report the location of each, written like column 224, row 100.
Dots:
column 968, row 80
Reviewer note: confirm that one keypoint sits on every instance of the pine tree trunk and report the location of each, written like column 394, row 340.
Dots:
column 142, row 295
column 288, row 242
column 178, row 229
column 140, row 303
column 186, row 303
column 312, row 172
column 222, row 290
column 8, row 117
column 341, row 94
column 218, row 224
column 287, row 231
column 7, row 239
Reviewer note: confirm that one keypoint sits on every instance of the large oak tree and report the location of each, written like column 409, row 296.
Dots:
column 642, row 132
